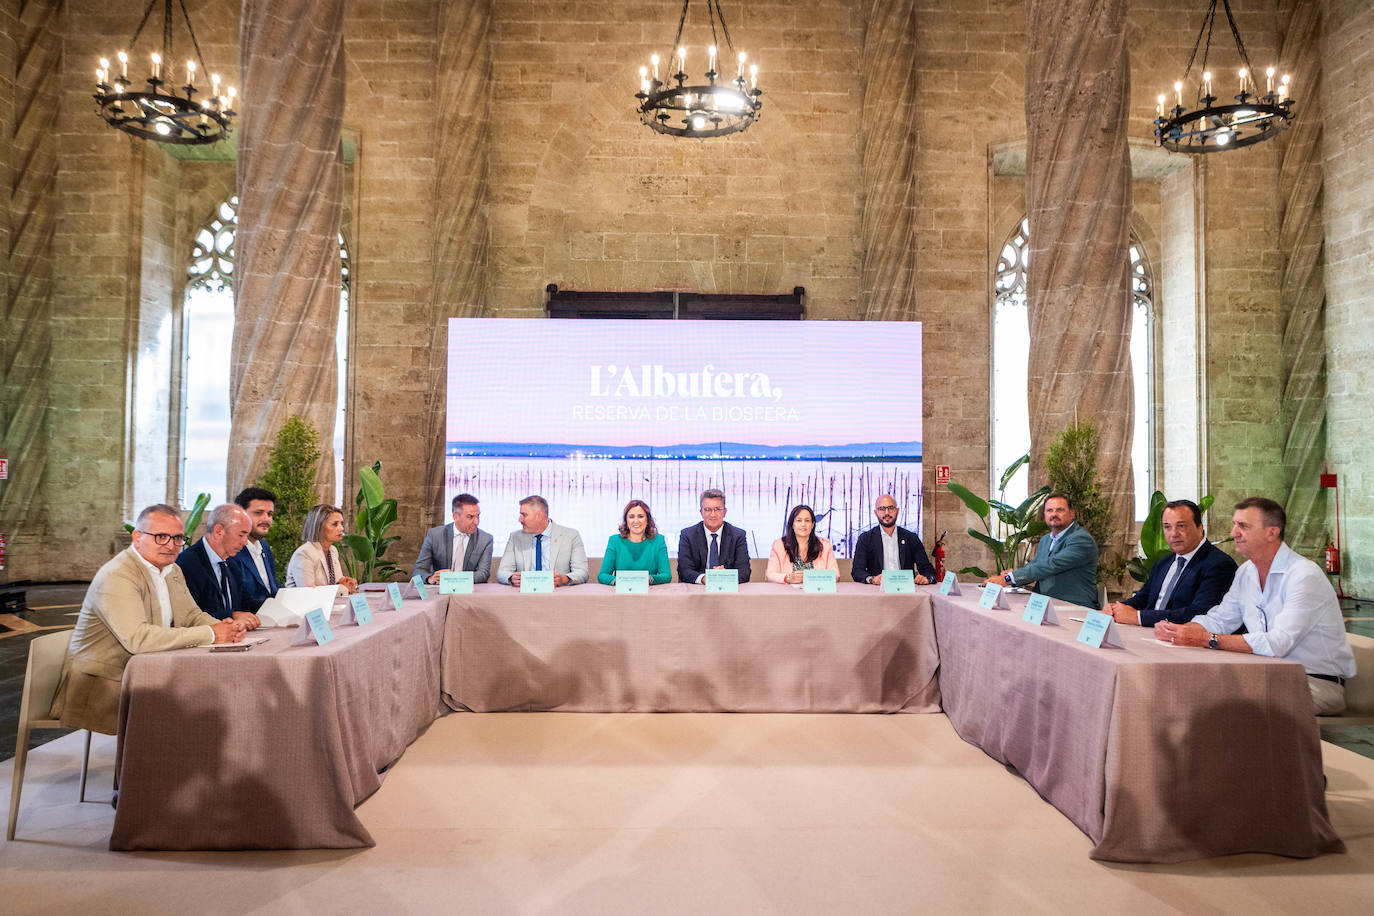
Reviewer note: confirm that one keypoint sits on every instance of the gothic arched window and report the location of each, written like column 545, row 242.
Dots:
column 1011, row 354
column 208, row 325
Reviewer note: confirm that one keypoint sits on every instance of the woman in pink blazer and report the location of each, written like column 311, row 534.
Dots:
column 799, row 549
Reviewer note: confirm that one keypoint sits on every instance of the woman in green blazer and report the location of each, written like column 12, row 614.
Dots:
column 637, row 546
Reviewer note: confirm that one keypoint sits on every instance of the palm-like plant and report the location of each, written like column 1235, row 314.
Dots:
column 1153, row 547
column 369, row 541
column 1016, row 525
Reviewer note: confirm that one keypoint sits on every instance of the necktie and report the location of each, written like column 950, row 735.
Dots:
column 538, row 552
column 1168, row 590
column 224, row 585
column 329, row 566
column 713, row 556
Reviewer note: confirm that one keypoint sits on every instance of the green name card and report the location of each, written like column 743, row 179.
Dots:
column 358, row 612
column 393, row 591
column 536, row 582
column 819, row 581
column 455, row 582
column 632, row 582
column 949, row 585
column 419, row 583
column 1039, row 610
column 992, row 597
column 720, row 581
column 899, row 582
column 1099, row 630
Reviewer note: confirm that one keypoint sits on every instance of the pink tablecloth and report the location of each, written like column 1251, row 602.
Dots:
column 1157, row 753
column 273, row 748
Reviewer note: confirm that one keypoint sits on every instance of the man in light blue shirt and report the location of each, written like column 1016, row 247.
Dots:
column 1286, row 604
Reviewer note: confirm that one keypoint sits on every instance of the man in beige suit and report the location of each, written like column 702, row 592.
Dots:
column 137, row 602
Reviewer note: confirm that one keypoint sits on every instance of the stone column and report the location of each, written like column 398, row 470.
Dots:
column 1078, row 191
column 887, row 136
column 30, row 58
column 286, row 292
column 1303, row 290
column 461, row 231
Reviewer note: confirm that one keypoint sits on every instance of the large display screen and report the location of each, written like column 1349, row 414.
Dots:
column 592, row 413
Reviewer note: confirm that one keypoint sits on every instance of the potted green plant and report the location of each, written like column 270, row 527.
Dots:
column 369, row 539
column 1016, row 525
column 292, row 467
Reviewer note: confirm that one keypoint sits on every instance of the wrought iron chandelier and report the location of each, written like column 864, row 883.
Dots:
column 712, row 109
column 159, row 113
column 1210, row 127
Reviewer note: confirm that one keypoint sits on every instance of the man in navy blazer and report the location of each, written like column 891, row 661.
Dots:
column 694, row 549
column 1174, row 595
column 254, row 567
column 889, row 547
column 205, row 564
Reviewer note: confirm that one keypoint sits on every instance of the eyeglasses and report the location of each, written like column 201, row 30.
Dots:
column 708, row 510
column 164, row 539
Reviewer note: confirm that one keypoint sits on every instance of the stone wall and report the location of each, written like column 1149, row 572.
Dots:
column 1349, row 218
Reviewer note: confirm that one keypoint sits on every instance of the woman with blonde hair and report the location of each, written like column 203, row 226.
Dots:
column 316, row 561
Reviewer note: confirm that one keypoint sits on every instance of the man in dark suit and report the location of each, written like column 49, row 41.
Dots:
column 889, row 547
column 474, row 545
column 254, row 567
column 714, row 543
column 1180, row 587
column 205, row 564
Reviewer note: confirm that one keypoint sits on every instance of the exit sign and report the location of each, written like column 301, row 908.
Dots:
column 4, row 468
column 942, row 473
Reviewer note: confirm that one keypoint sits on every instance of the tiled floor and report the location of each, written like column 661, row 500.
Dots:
column 53, row 607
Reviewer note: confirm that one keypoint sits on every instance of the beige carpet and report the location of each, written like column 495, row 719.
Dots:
column 674, row 814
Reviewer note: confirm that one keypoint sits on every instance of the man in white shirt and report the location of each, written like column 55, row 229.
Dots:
column 137, row 602
column 254, row 567
column 1286, row 604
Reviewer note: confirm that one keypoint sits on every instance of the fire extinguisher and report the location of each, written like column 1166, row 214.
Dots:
column 1333, row 558
column 939, row 555
column 2, row 551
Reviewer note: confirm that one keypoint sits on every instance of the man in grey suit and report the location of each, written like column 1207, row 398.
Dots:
column 540, row 544
column 460, row 545
column 1065, row 564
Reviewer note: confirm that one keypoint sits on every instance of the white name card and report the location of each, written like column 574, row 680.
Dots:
column 819, row 581
column 993, row 598
column 455, row 582
column 1100, row 630
column 314, row 629
column 631, row 582
column 1040, row 610
column 722, row 580
column 949, row 585
column 899, row 582
column 536, row 582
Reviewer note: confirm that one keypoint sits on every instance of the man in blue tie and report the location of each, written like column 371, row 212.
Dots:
column 1065, row 564
column 540, row 545
column 1190, row 582
column 205, row 564
column 254, row 567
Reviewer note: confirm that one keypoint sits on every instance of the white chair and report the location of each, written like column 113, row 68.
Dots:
column 40, row 685
column 1359, row 690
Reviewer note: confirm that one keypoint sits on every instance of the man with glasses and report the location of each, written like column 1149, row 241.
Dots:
column 137, row 602
column 714, row 543
column 889, row 547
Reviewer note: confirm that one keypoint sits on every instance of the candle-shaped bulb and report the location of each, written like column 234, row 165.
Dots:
column 1160, row 109
column 232, row 92
column 1207, row 83
column 190, row 70
column 653, row 59
column 687, row 101
column 753, row 76
column 104, row 63
column 740, row 72
column 1243, row 74
column 123, row 64
column 711, row 57
column 681, row 60
column 1178, row 93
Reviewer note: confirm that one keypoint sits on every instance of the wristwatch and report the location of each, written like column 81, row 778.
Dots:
column 1006, row 577
column 1213, row 642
